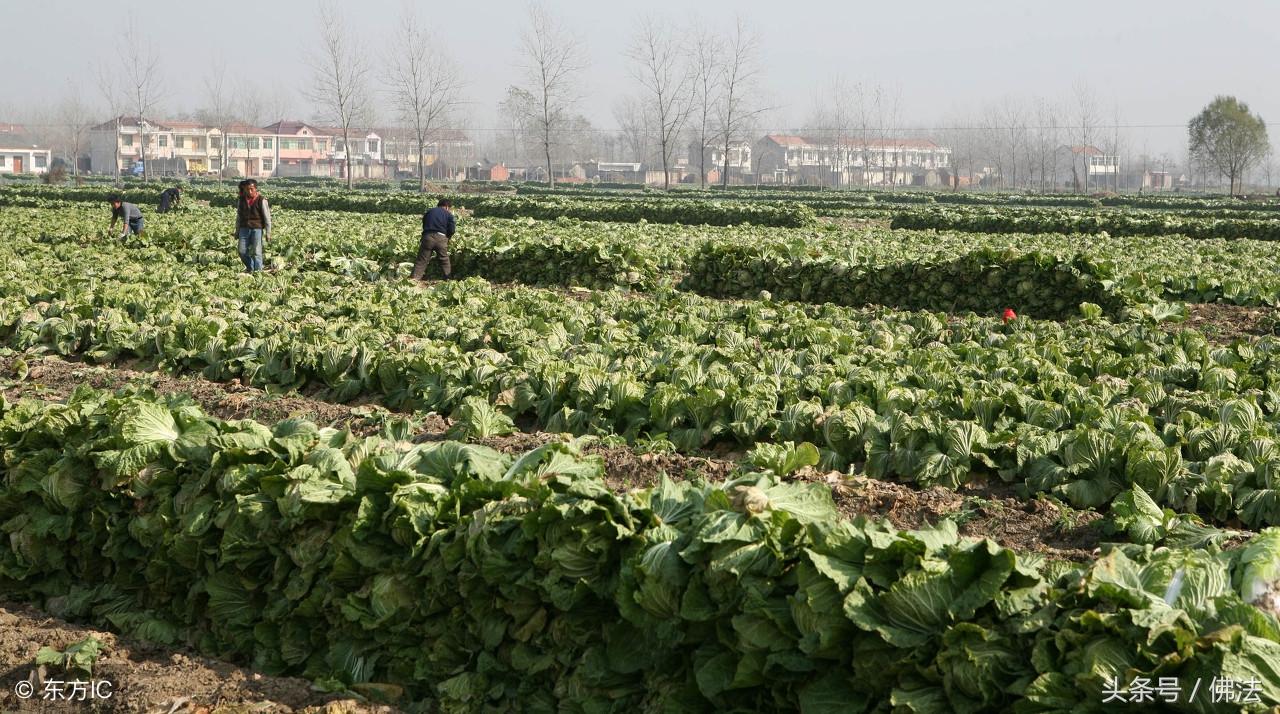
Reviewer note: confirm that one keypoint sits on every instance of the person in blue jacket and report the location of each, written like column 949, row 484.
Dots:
column 169, row 198
column 437, row 228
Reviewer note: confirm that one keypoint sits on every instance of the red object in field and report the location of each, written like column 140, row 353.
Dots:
column 1009, row 314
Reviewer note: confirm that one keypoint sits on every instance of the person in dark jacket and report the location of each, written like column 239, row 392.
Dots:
column 253, row 225
column 169, row 199
column 131, row 214
column 437, row 228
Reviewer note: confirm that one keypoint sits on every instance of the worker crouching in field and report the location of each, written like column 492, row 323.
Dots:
column 169, row 199
column 253, row 225
column 131, row 214
column 437, row 228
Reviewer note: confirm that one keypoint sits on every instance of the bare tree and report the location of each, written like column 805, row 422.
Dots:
column 1086, row 120
column 832, row 121
column 426, row 84
column 706, row 78
column 1013, row 116
column 667, row 83
column 553, row 61
column 142, row 82
column 634, row 120
column 217, row 110
column 75, row 116
column 516, row 111
column 340, row 80
column 889, row 109
column 739, row 73
column 109, row 88
column 1045, row 144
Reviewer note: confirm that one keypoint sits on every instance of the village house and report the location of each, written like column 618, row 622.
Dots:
column 1086, row 169
column 448, row 153
column 792, row 159
column 20, row 154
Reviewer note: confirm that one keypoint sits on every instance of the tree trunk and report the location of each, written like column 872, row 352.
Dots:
column 724, row 171
column 422, row 166
column 117, row 152
column 346, row 157
column 666, row 173
column 551, row 176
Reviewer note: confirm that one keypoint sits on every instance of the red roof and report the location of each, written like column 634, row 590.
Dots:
column 290, row 127
column 183, row 125
column 454, row 135
column 788, row 140
column 241, row 128
column 800, row 141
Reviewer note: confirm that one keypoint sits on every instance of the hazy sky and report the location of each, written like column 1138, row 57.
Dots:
column 1160, row 61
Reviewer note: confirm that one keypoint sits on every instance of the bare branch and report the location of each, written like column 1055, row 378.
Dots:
column 553, row 60
column 339, row 87
column 425, row 83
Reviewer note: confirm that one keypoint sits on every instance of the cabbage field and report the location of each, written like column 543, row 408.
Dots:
column 464, row 574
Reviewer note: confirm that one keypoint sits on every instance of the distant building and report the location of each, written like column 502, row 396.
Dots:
column 615, row 172
column 486, row 170
column 299, row 149
column 792, row 159
column 448, row 153
column 285, row 148
column 738, row 165
column 20, row 154
column 1086, row 168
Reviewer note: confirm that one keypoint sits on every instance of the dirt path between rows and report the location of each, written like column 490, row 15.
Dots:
column 1221, row 323
column 138, row 678
column 153, row 680
column 1036, row 525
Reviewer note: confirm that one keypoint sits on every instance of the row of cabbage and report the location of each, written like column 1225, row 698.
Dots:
column 1084, row 409
column 854, row 198
column 664, row 211
column 454, row 577
column 1132, row 223
column 1041, row 274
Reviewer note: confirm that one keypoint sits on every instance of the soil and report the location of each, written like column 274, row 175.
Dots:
column 853, row 222
column 156, row 680
column 1222, row 323
column 1037, row 525
column 141, row 678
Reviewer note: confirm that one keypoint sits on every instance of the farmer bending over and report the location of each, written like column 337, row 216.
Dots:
column 437, row 228
column 169, row 199
column 131, row 214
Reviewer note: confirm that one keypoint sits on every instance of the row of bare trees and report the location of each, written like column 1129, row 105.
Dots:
column 423, row 82
column 693, row 85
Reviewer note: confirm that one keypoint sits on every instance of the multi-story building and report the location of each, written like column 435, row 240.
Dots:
column 285, row 148
column 792, row 159
column 738, row 166
column 300, row 149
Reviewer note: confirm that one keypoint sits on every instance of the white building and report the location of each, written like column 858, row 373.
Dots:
column 173, row 147
column 790, row 159
column 20, row 155
column 1087, row 169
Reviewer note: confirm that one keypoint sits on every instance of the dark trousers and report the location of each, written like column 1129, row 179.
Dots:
column 432, row 243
